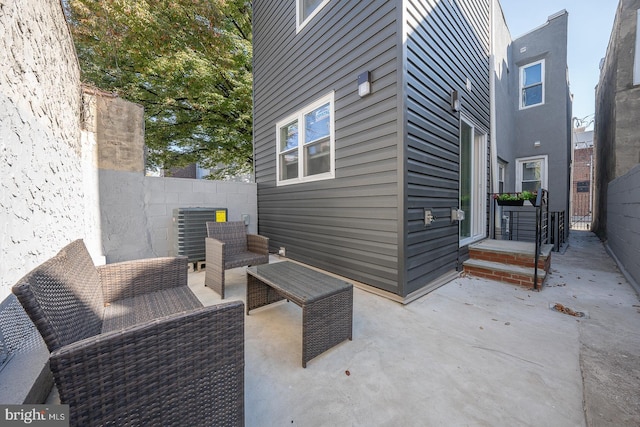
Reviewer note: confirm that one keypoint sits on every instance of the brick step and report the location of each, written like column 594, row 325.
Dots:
column 511, row 252
column 501, row 272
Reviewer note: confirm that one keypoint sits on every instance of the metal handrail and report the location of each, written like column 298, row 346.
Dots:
column 542, row 202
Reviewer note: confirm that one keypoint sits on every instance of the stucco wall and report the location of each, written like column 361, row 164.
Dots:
column 549, row 123
column 137, row 211
column 623, row 222
column 41, row 168
column 504, row 132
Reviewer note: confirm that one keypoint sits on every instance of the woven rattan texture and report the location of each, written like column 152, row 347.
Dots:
column 229, row 246
column 63, row 297
column 327, row 302
column 232, row 233
column 162, row 359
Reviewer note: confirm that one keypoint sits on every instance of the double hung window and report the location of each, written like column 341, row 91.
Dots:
column 305, row 143
column 531, row 173
column 532, row 84
column 306, row 10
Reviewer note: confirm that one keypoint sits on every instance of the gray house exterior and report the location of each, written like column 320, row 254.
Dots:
column 373, row 131
column 391, row 154
column 533, row 136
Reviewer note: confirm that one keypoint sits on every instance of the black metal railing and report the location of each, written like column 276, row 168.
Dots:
column 522, row 223
column 519, row 224
column 558, row 230
column 542, row 229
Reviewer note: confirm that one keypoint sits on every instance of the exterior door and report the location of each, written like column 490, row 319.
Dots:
column 473, row 183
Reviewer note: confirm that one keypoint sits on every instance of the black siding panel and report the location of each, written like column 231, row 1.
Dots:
column 347, row 225
column 447, row 42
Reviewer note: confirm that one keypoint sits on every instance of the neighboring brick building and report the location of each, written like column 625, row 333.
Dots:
column 582, row 181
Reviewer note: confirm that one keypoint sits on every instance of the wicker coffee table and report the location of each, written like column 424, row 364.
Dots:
column 327, row 302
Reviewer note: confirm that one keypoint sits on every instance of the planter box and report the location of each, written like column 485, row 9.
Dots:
column 510, row 202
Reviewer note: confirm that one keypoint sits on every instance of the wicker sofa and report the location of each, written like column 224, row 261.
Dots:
column 130, row 344
column 229, row 246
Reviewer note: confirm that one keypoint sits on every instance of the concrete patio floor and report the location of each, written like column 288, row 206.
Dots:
column 472, row 353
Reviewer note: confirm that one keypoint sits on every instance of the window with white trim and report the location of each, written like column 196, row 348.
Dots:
column 502, row 172
column 532, row 84
column 531, row 173
column 306, row 10
column 305, row 143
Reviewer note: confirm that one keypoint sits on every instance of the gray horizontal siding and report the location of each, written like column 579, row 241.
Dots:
column 347, row 225
column 446, row 44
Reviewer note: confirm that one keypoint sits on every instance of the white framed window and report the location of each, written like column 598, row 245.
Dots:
column 502, row 173
column 305, row 143
column 531, row 173
column 306, row 10
column 532, row 84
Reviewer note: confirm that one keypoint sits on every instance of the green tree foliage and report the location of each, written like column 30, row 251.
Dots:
column 188, row 62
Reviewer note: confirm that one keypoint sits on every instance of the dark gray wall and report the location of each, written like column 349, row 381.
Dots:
column 348, row 225
column 623, row 223
column 549, row 123
column 396, row 149
column 617, row 111
column 445, row 46
column 504, row 96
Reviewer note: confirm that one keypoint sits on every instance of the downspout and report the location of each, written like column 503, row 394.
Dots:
column 495, row 222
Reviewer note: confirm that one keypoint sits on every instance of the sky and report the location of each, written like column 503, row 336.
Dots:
column 590, row 25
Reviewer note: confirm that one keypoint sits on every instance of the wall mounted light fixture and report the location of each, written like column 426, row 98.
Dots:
column 364, row 84
column 455, row 100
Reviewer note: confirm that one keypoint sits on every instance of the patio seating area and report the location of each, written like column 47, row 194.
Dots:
column 125, row 337
column 473, row 352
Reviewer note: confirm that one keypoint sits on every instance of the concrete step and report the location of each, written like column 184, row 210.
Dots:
column 502, row 272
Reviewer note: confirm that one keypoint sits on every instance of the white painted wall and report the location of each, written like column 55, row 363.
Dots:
column 43, row 193
column 51, row 190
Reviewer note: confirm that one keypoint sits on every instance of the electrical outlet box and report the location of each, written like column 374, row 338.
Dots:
column 428, row 217
column 457, row 214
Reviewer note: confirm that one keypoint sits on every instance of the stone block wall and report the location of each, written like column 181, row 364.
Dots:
column 117, row 126
column 41, row 167
column 623, row 223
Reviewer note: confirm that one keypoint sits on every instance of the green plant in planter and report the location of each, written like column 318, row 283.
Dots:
column 507, row 196
column 515, row 199
column 525, row 195
column 528, row 195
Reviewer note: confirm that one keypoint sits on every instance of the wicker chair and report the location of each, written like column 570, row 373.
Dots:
column 130, row 344
column 229, row 246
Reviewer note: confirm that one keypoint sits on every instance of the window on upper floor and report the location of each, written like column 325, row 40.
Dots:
column 531, row 173
column 306, row 10
column 305, row 144
column 532, row 84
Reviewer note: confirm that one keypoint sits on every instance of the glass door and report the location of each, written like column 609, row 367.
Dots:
column 473, row 183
